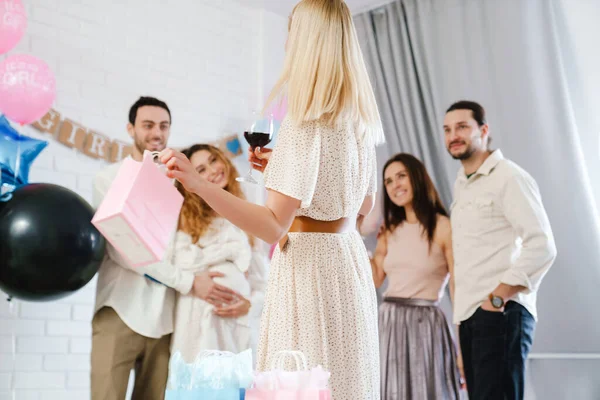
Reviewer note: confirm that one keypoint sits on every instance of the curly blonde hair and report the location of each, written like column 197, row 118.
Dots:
column 196, row 215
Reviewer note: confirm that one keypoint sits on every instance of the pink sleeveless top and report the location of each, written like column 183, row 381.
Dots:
column 412, row 270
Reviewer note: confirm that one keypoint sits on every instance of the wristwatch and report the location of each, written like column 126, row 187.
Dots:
column 497, row 301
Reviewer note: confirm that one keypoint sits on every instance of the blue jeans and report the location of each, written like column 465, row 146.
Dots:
column 494, row 348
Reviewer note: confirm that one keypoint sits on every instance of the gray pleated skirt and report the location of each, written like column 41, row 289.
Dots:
column 418, row 356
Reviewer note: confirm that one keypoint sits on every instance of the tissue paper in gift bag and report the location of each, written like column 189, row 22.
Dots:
column 214, row 375
column 302, row 384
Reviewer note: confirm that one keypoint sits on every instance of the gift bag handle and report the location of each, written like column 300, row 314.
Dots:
column 153, row 155
column 279, row 359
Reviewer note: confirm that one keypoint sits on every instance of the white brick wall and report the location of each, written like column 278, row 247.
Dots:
column 45, row 311
column 6, row 345
column 42, row 345
column 211, row 60
column 80, row 345
column 20, row 362
column 39, row 380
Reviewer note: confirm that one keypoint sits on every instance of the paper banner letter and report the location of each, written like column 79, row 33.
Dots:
column 72, row 134
column 97, row 145
column 119, row 150
column 48, row 123
column 232, row 143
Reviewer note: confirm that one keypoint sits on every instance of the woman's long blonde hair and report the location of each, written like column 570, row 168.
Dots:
column 324, row 74
column 196, row 215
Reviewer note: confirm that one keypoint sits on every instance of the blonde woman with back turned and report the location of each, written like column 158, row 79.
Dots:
column 320, row 177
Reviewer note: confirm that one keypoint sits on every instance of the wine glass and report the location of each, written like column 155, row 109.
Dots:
column 260, row 134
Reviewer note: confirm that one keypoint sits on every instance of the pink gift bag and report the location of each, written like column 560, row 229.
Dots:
column 139, row 214
column 278, row 384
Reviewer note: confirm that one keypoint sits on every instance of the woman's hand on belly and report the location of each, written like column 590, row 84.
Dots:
column 207, row 289
column 237, row 309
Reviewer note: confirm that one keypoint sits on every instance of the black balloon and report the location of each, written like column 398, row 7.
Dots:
column 48, row 247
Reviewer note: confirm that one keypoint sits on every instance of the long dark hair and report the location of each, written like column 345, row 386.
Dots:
column 426, row 201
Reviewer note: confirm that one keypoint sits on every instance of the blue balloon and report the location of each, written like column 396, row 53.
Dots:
column 8, row 183
column 17, row 152
column 8, row 177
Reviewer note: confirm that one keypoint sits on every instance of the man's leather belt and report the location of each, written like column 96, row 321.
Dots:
column 306, row 224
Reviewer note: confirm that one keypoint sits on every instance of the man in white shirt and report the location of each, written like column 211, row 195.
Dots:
column 133, row 317
column 503, row 247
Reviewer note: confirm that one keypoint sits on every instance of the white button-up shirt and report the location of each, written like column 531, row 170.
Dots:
column 500, row 234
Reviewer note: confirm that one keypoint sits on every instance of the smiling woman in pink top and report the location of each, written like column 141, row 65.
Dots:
column 414, row 252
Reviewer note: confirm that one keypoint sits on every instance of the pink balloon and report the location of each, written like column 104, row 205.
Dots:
column 278, row 109
column 13, row 22
column 27, row 88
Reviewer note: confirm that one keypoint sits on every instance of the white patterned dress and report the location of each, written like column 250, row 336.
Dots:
column 320, row 296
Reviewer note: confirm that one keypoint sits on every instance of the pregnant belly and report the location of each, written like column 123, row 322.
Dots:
column 233, row 278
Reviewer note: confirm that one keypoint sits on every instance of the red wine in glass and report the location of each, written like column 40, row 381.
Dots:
column 259, row 135
column 257, row 139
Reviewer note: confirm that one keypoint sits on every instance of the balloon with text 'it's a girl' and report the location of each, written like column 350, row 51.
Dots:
column 27, row 88
column 13, row 23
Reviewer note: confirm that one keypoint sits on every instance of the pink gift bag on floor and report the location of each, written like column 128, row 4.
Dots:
column 140, row 211
column 302, row 384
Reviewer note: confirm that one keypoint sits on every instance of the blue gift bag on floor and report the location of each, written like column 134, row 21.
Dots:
column 214, row 375
column 205, row 394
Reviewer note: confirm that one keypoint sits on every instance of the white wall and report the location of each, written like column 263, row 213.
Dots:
column 582, row 61
column 573, row 374
column 210, row 60
column 275, row 29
